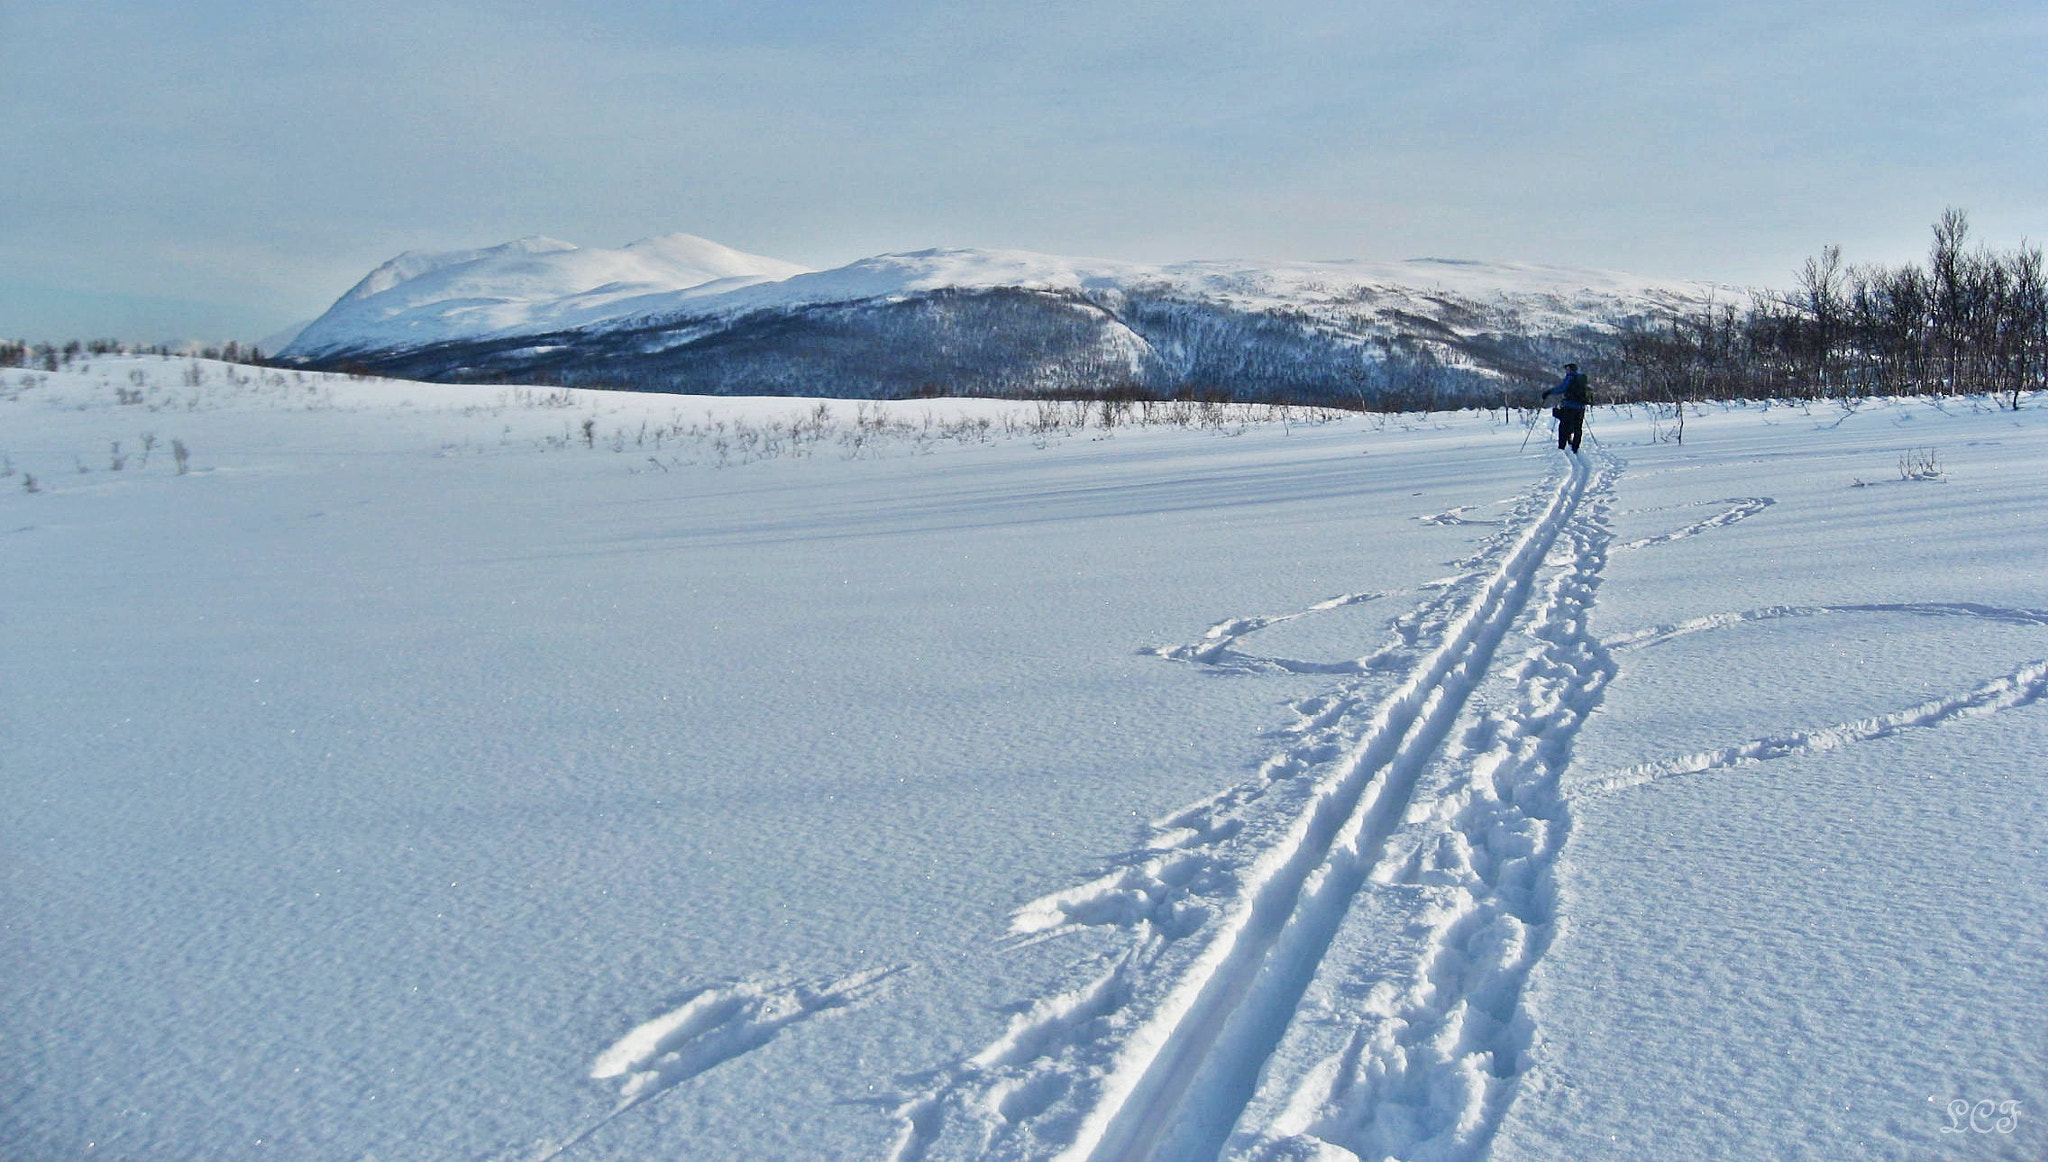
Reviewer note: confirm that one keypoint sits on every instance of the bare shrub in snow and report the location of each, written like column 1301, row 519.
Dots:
column 1920, row 464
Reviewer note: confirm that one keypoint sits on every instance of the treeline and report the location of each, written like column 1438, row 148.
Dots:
column 1968, row 322
column 55, row 356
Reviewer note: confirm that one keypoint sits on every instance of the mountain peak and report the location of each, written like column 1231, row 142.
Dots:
column 690, row 250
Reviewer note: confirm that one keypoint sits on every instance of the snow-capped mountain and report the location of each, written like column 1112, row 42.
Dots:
column 422, row 299
column 681, row 313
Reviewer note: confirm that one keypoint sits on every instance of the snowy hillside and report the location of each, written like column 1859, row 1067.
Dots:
column 407, row 770
column 528, row 286
column 961, row 321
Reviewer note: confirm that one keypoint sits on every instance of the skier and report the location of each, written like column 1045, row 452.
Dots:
column 1571, row 408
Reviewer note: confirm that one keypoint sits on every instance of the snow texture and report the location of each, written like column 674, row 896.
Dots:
column 400, row 770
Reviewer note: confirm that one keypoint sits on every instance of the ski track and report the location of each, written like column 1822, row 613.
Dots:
column 2021, row 687
column 1214, row 649
column 714, row 1025
column 1741, row 508
column 1227, row 1017
column 1431, row 1069
column 1228, row 914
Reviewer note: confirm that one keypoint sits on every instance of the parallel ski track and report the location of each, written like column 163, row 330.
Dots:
column 1230, row 1014
column 1186, row 1076
column 1439, row 1051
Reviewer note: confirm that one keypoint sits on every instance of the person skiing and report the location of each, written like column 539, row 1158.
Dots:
column 1570, row 411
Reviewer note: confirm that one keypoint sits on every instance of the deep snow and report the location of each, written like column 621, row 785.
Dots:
column 422, row 774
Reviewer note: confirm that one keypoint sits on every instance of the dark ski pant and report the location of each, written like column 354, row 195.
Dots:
column 1571, row 424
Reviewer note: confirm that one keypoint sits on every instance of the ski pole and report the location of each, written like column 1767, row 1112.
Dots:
column 1529, row 431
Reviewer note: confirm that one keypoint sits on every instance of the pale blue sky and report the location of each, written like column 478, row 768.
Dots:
column 218, row 170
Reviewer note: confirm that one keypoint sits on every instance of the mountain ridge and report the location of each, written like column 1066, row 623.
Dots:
column 682, row 313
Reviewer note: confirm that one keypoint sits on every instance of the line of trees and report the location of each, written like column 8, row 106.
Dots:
column 1969, row 322
column 56, row 356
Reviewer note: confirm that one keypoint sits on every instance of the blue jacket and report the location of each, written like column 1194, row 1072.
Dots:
column 1574, row 389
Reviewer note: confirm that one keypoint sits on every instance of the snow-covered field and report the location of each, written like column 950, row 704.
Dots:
column 405, row 771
